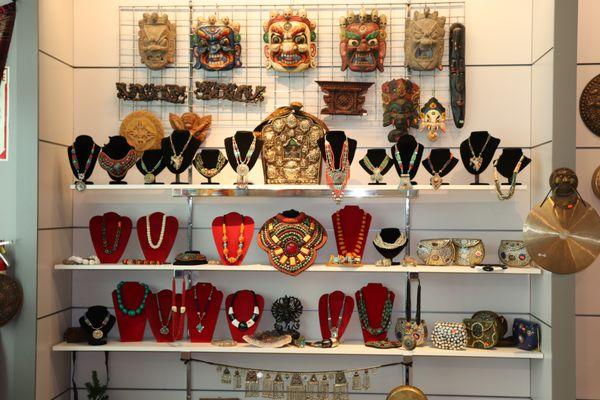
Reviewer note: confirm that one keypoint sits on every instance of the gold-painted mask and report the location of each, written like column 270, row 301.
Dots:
column 156, row 40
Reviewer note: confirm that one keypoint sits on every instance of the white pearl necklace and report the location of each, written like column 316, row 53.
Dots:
column 156, row 245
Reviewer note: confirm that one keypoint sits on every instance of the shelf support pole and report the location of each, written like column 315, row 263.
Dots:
column 407, row 225
column 407, row 363
column 187, row 359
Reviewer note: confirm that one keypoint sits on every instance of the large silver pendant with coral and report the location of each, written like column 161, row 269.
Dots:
column 433, row 118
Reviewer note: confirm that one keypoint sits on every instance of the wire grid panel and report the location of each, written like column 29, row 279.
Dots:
column 282, row 88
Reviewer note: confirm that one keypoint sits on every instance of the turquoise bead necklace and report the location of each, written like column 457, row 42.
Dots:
column 142, row 306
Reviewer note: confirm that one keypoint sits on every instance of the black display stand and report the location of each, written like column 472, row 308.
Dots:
column 179, row 138
column 478, row 140
column 97, row 314
column 438, row 158
column 243, row 140
column 336, row 139
column 508, row 161
column 151, row 158
column 83, row 146
column 117, row 148
column 210, row 158
column 406, row 145
column 390, row 235
column 376, row 157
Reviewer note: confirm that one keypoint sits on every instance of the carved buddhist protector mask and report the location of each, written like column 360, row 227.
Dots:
column 424, row 41
column 156, row 40
column 362, row 41
column 563, row 186
column 400, row 106
column 433, row 118
column 216, row 44
column 189, row 121
column 290, row 41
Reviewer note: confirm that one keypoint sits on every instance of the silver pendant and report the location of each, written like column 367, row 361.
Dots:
column 405, row 183
column 334, row 332
column 164, row 330
column 176, row 161
column 242, row 169
column 80, row 185
column 97, row 334
column 476, row 162
column 436, row 181
column 338, row 178
column 149, row 178
column 199, row 327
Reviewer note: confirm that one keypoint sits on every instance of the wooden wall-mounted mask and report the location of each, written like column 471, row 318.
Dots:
column 457, row 74
column 143, row 130
column 157, row 40
column 400, row 106
column 362, row 41
column 424, row 41
column 189, row 121
column 216, row 44
column 433, row 118
column 290, row 41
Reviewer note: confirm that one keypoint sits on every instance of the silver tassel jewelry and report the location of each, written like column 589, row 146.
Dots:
column 356, row 382
column 296, row 389
column 312, row 388
column 324, row 388
column 267, row 387
column 366, row 380
column 340, row 387
column 251, row 388
column 278, row 387
column 237, row 380
column 226, row 376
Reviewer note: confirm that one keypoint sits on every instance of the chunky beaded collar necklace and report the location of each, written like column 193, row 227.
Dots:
column 140, row 308
column 249, row 323
column 118, row 168
column 385, row 317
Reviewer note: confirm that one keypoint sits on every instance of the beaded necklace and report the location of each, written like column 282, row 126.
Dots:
column 385, row 317
column 164, row 328
column 97, row 333
column 376, row 172
column 117, row 168
column 436, row 179
column 116, row 240
column 249, row 323
column 177, row 159
column 140, row 308
column 200, row 325
column 379, row 242
column 75, row 162
column 242, row 168
column 335, row 330
column 411, row 163
column 209, row 172
column 359, row 244
column 337, row 178
column 163, row 226
column 513, row 180
column 477, row 160
column 149, row 176
column 240, row 247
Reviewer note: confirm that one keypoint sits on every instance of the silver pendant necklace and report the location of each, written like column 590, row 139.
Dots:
column 149, row 176
column 200, row 325
column 97, row 333
column 477, row 160
column 164, row 328
column 242, row 168
column 335, row 330
column 177, row 159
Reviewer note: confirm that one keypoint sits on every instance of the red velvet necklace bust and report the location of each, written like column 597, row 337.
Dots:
column 335, row 312
column 203, row 305
column 156, row 234
column 163, row 316
column 351, row 227
column 374, row 295
column 243, row 303
column 110, row 233
column 237, row 231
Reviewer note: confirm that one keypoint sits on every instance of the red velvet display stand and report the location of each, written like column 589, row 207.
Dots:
column 131, row 329
column 171, row 228
column 165, row 298
column 233, row 222
column 375, row 295
column 112, row 220
column 212, row 313
column 244, row 304
column 338, row 301
column 347, row 224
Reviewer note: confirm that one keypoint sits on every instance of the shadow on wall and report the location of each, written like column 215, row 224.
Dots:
column 3, row 371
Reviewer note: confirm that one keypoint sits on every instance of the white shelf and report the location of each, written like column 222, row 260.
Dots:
column 350, row 348
column 352, row 191
column 451, row 269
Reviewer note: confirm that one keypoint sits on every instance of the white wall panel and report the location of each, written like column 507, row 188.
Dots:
column 541, row 99
column 56, row 101
column 588, row 357
column 52, row 369
column 542, row 28
column 56, row 199
column 588, row 48
column 54, row 287
column 56, row 29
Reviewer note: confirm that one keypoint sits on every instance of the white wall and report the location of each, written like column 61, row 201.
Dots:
column 502, row 80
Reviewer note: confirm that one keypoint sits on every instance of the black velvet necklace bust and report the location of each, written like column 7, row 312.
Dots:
column 389, row 236
column 100, row 320
column 336, row 140
column 483, row 153
column 178, row 157
column 84, row 148
column 150, row 164
column 211, row 160
column 508, row 160
column 376, row 157
column 406, row 147
column 117, row 148
column 243, row 139
column 442, row 162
